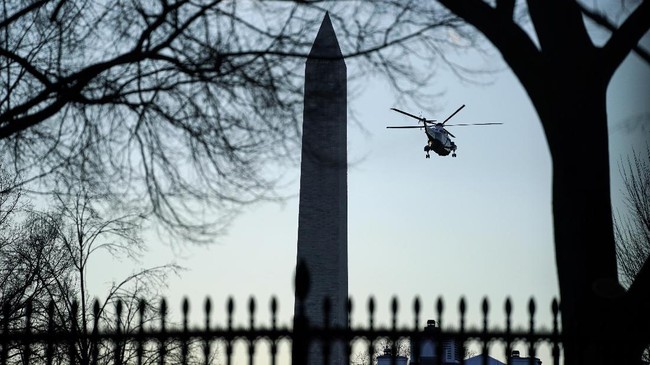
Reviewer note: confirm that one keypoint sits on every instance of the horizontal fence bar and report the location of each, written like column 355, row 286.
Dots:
column 277, row 334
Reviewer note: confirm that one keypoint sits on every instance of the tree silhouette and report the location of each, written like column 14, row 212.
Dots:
column 632, row 227
column 566, row 77
column 30, row 265
column 183, row 107
column 44, row 259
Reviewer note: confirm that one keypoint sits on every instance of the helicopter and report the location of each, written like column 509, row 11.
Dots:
column 439, row 140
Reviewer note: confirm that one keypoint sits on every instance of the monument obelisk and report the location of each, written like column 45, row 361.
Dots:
column 322, row 219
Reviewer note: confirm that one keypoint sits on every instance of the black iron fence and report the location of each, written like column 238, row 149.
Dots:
column 184, row 344
column 138, row 333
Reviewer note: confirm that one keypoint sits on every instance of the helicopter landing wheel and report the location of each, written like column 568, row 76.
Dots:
column 453, row 155
column 427, row 156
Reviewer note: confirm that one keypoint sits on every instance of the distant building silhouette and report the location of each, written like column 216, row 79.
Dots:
column 322, row 220
column 450, row 353
column 515, row 359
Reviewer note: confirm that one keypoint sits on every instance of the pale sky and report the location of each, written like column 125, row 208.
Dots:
column 476, row 225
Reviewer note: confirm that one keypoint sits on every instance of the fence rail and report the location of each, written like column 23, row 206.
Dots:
column 146, row 340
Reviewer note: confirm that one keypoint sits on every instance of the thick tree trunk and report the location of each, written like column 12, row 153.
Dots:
column 575, row 121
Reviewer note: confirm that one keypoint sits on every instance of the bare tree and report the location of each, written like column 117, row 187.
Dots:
column 632, row 227
column 379, row 347
column 44, row 265
column 30, row 264
column 184, row 107
column 26, row 242
column 90, row 226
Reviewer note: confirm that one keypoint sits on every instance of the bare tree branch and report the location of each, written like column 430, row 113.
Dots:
column 602, row 20
column 626, row 37
column 184, row 108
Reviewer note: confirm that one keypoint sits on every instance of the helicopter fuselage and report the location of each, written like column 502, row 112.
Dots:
column 438, row 141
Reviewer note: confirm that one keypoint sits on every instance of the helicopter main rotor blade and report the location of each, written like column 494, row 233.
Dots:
column 408, row 126
column 468, row 124
column 457, row 110
column 413, row 116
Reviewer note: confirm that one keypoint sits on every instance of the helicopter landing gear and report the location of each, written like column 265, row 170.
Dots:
column 453, row 154
column 427, row 156
column 427, row 148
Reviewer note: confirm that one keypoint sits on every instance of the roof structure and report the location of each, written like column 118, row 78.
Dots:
column 478, row 360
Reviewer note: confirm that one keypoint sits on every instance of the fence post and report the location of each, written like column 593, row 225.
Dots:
column 300, row 340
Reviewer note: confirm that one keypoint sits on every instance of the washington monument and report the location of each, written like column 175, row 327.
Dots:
column 322, row 220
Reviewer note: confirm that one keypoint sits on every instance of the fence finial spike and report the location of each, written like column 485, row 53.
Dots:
column 531, row 312
column 186, row 306
column 371, row 311
column 274, row 311
column 163, row 313
column 251, row 311
column 230, row 307
column 485, row 306
column 118, row 307
column 416, row 305
column 274, row 305
column 207, row 307
column 302, row 280
column 142, row 305
column 440, row 306
column 96, row 307
column 394, row 307
column 416, row 312
column 531, row 306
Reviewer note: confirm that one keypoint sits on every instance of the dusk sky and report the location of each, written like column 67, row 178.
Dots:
column 476, row 225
